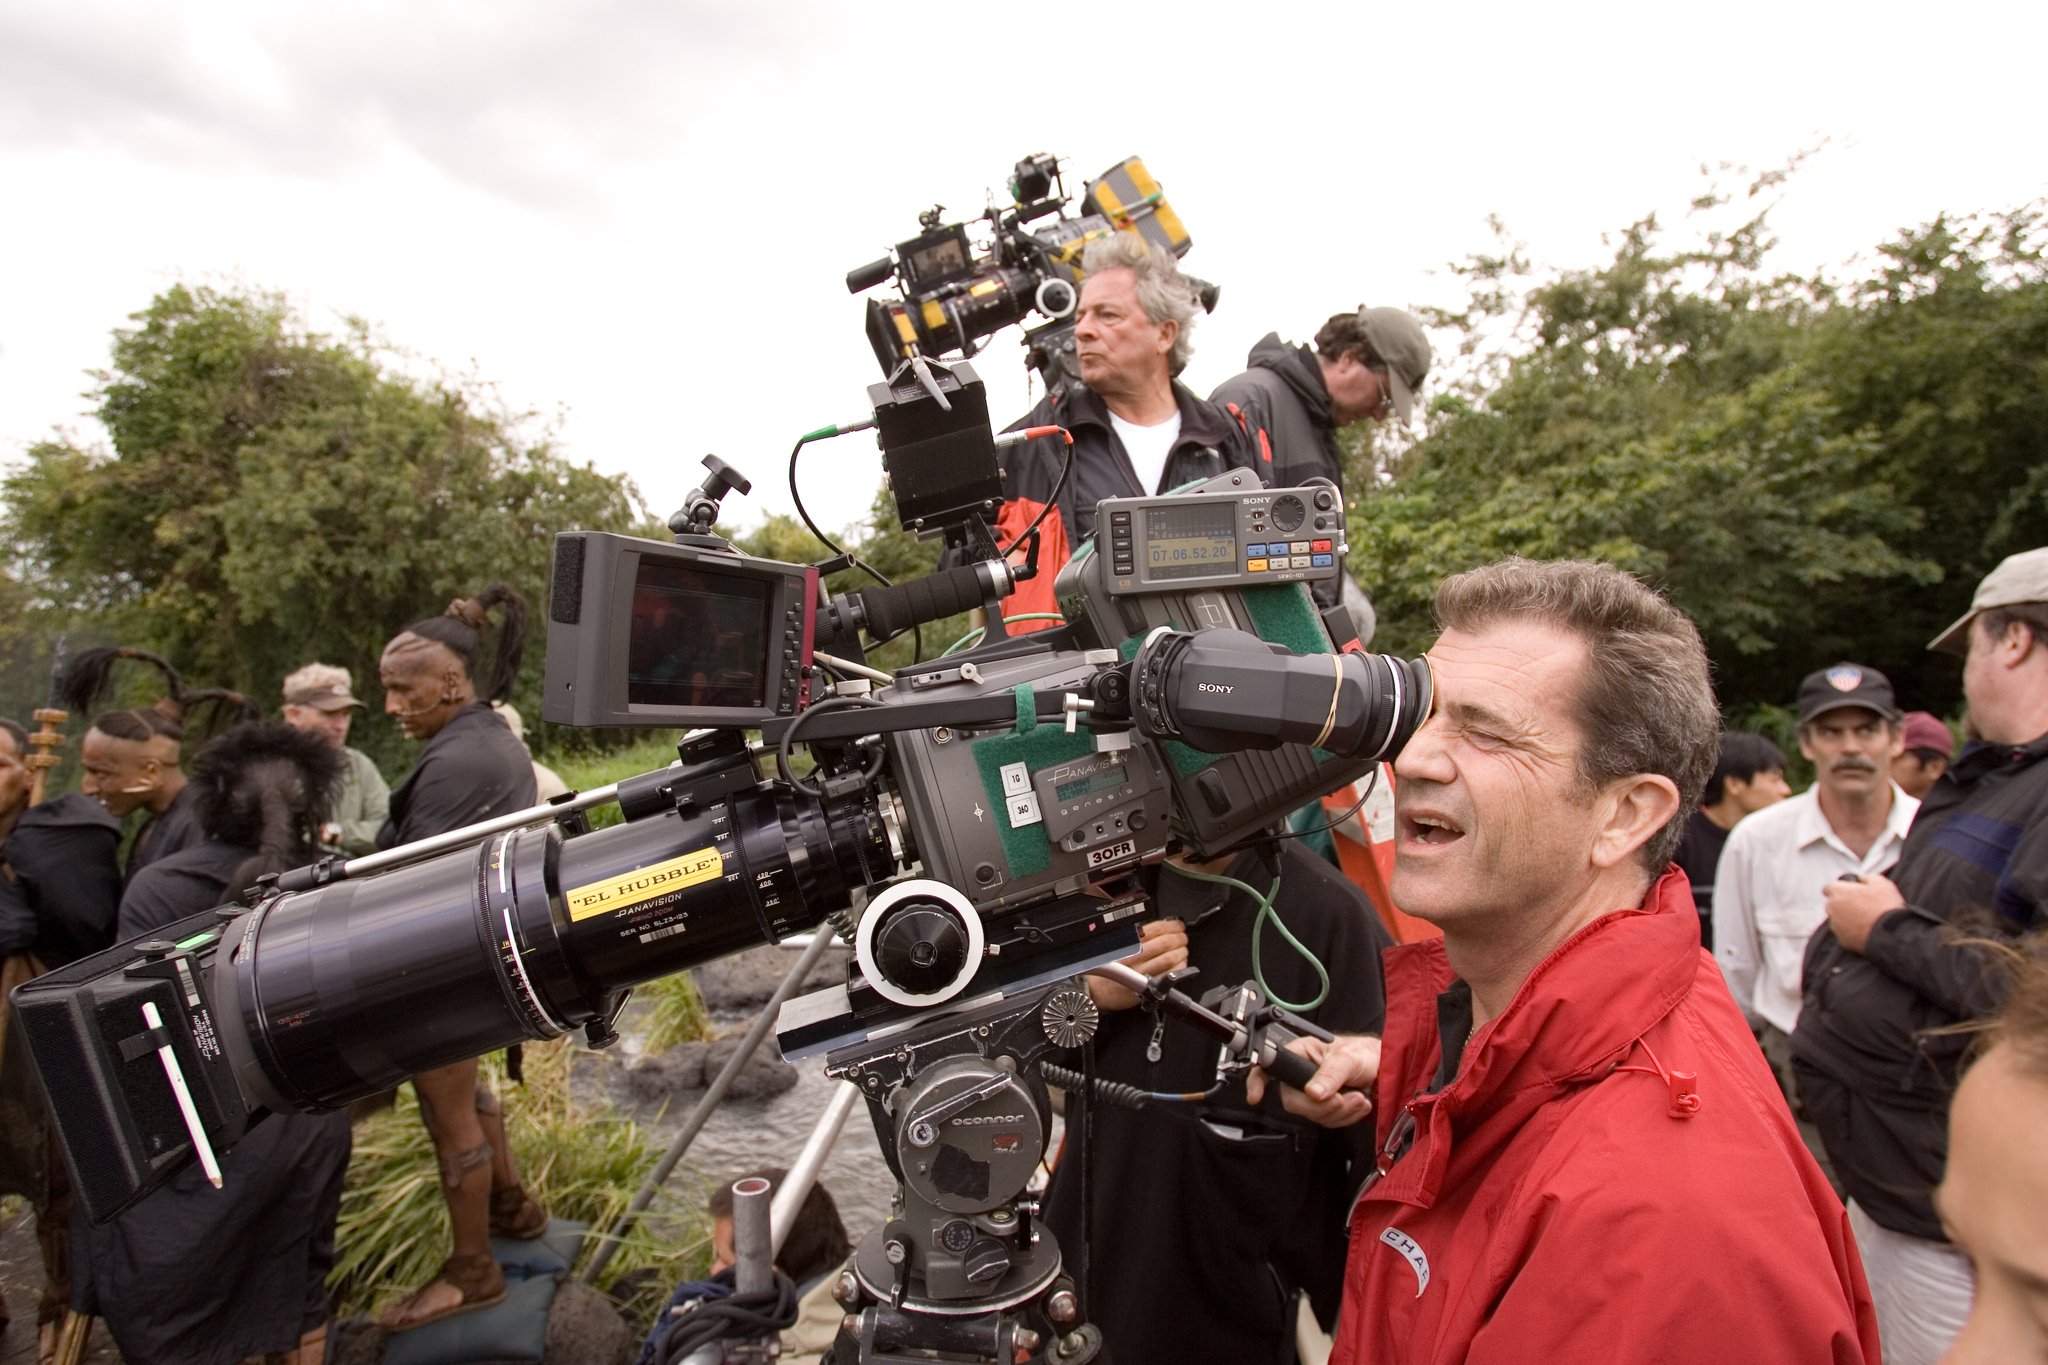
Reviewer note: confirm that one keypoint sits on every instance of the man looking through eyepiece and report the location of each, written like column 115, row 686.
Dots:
column 1578, row 1137
column 1137, row 429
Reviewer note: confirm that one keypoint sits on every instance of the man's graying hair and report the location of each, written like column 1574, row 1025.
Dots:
column 1164, row 293
column 1645, row 705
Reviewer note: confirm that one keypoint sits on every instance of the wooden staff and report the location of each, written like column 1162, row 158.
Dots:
column 50, row 738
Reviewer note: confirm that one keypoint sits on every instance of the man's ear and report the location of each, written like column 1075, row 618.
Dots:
column 1637, row 807
column 1169, row 332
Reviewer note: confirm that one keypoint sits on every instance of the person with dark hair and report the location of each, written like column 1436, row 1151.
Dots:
column 817, row 1241
column 1582, row 1155
column 60, row 887
column 131, row 756
column 194, row 1274
column 817, row 1245
column 1366, row 366
column 439, row 685
column 1894, row 976
column 1930, row 748
column 1748, row 776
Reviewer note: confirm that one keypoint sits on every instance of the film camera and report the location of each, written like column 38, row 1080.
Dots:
column 972, row 826
column 955, row 293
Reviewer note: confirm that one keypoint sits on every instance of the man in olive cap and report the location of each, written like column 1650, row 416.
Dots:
column 317, row 698
column 1877, row 1051
column 1292, row 400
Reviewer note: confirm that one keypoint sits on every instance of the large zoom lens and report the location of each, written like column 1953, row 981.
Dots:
column 1225, row 690
column 348, row 989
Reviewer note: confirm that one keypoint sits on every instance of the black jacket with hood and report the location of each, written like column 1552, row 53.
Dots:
column 1283, row 404
column 1283, row 401
column 1874, row 1065
column 1210, row 442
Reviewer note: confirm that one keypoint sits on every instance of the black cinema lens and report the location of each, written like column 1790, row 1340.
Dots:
column 347, row 989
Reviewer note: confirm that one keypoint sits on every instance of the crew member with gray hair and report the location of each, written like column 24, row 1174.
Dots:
column 318, row 698
column 1137, row 429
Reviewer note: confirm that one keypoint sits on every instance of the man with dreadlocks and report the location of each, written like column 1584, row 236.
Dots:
column 130, row 756
column 473, row 768
column 195, row 1275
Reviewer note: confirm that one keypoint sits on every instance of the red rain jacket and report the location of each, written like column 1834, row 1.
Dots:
column 1553, row 1208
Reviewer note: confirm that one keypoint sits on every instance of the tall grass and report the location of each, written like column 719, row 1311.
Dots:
column 582, row 1159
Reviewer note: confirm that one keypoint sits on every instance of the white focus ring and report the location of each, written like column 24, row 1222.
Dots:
column 878, row 910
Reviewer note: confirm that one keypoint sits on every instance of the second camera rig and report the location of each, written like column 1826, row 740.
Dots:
column 955, row 291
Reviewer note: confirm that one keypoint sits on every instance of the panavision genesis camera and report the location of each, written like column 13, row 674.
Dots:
column 971, row 825
column 954, row 292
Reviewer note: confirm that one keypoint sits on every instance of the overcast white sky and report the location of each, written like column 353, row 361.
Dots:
column 638, row 216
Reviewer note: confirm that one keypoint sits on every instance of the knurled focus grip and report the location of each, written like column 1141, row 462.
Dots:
column 1291, row 1068
column 934, row 597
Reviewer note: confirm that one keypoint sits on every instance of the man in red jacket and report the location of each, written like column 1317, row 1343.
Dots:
column 1583, row 1155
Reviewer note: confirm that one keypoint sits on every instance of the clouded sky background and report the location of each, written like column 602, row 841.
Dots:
column 636, row 218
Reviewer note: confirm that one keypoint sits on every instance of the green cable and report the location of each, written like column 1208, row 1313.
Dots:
column 973, row 637
column 1266, row 912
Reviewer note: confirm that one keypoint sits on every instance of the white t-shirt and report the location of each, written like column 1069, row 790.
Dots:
column 1148, row 448
column 1768, row 898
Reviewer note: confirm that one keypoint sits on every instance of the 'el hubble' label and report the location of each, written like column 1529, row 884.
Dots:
column 644, row 884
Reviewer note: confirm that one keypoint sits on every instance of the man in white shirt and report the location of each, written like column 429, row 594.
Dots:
column 1768, row 896
column 1137, row 430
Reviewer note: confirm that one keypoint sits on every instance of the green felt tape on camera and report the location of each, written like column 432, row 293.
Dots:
column 1025, row 847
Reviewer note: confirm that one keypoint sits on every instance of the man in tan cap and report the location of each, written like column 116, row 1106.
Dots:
column 1878, row 1050
column 317, row 698
column 1366, row 366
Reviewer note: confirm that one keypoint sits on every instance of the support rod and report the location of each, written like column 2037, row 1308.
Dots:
column 796, row 1186
column 695, row 1122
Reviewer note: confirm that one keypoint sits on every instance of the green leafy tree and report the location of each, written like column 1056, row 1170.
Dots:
column 274, row 495
column 1812, row 471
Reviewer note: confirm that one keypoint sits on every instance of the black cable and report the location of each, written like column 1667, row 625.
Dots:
column 1356, row 806
column 789, row 737
column 917, row 632
column 1122, row 1095
column 824, row 539
column 737, row 1317
column 1050, row 503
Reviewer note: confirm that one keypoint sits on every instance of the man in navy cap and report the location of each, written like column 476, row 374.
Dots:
column 1768, row 887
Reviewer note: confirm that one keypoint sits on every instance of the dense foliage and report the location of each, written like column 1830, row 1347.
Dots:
column 275, row 496
column 1812, row 469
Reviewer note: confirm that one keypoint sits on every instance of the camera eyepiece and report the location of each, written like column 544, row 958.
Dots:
column 1225, row 690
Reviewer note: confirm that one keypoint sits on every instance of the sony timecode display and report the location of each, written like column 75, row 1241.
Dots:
column 1190, row 542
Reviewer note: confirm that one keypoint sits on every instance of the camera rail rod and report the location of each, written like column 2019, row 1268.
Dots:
column 335, row 870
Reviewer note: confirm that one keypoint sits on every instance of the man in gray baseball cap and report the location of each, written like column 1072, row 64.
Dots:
column 318, row 697
column 1366, row 366
column 1893, row 984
